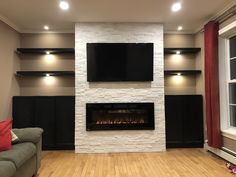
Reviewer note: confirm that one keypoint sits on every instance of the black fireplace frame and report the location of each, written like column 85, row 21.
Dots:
column 150, row 125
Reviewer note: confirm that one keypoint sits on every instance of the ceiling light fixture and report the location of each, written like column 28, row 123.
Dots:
column 64, row 5
column 47, row 52
column 178, row 74
column 47, row 75
column 46, row 27
column 180, row 28
column 176, row 7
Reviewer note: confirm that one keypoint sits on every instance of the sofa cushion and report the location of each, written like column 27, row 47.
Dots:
column 19, row 153
column 7, row 169
column 5, row 135
column 28, row 134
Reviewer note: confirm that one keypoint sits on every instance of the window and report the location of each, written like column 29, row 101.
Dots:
column 232, row 81
column 227, row 80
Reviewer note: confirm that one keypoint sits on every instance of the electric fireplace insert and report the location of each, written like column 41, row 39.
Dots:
column 120, row 116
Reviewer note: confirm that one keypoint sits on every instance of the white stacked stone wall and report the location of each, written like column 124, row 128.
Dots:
column 115, row 92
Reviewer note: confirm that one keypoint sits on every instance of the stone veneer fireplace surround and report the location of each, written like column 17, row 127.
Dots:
column 119, row 92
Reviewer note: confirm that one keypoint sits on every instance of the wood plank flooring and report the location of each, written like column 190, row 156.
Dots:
column 172, row 163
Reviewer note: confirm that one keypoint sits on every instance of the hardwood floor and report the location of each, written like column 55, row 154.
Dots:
column 172, row 163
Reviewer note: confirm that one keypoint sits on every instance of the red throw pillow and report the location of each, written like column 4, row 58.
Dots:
column 5, row 135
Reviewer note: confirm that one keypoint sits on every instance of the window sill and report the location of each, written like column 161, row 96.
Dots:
column 229, row 133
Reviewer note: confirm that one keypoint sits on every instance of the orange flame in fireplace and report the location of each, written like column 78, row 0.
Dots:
column 121, row 121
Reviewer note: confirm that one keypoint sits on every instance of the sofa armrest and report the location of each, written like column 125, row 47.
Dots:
column 38, row 153
column 28, row 134
column 33, row 135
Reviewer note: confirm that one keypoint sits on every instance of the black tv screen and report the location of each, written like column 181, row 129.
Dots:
column 119, row 62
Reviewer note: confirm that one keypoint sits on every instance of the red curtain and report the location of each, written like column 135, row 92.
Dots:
column 212, row 84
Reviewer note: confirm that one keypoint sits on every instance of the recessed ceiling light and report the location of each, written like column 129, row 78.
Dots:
column 180, row 28
column 64, row 5
column 178, row 52
column 46, row 27
column 176, row 7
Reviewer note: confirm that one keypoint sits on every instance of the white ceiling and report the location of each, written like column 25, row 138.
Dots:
column 32, row 15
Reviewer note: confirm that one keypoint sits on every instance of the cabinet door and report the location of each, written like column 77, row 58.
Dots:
column 174, row 121
column 45, row 118
column 193, row 121
column 23, row 112
column 65, row 121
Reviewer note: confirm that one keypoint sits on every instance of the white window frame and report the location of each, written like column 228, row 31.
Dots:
column 224, row 79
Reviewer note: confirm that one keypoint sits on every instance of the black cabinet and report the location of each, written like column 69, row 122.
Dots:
column 65, row 122
column 184, row 121
column 45, row 118
column 174, row 120
column 23, row 111
column 55, row 114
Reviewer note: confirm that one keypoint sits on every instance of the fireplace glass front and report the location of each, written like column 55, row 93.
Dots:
column 119, row 116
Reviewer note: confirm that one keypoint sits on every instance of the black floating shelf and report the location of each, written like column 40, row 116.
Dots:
column 44, row 50
column 182, row 72
column 182, row 50
column 45, row 73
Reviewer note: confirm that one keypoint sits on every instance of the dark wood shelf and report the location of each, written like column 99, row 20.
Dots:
column 44, row 73
column 183, row 72
column 182, row 50
column 44, row 50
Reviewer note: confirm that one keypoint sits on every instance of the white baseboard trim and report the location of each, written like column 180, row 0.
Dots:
column 221, row 153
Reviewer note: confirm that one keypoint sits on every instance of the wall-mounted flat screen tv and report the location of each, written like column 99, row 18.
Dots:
column 119, row 62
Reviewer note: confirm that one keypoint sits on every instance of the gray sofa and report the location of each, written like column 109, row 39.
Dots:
column 23, row 160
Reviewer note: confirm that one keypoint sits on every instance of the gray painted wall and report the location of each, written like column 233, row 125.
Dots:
column 9, row 63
